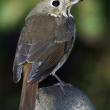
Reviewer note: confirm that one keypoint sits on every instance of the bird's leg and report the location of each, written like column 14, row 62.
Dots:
column 60, row 81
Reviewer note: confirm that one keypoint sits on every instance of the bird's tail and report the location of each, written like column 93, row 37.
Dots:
column 29, row 91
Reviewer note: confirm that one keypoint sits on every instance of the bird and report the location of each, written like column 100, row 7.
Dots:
column 44, row 45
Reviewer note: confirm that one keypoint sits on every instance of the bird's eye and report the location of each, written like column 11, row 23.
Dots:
column 55, row 3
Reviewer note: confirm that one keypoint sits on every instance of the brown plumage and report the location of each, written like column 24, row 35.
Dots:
column 39, row 52
column 43, row 47
column 29, row 91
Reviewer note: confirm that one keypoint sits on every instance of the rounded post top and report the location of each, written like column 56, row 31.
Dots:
column 53, row 98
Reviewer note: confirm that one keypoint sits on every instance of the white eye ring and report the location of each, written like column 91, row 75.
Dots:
column 55, row 3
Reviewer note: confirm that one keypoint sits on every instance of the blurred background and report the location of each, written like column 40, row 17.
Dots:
column 88, row 67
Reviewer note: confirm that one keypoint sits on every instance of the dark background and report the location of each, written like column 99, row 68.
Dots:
column 88, row 67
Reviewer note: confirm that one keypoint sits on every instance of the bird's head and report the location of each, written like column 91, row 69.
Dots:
column 56, row 7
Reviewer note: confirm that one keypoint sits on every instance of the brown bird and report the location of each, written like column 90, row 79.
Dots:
column 43, row 47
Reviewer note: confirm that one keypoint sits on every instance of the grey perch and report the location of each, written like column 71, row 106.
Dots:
column 52, row 98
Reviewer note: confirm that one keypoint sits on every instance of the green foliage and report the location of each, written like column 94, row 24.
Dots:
column 11, row 12
column 91, row 20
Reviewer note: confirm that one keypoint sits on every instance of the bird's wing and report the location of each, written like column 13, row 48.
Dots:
column 47, row 61
column 37, row 46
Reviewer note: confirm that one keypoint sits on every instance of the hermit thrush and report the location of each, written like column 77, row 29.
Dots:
column 45, row 43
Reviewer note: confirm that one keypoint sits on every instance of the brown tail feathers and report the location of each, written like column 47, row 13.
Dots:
column 29, row 91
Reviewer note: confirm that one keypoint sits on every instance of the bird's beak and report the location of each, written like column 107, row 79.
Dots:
column 75, row 1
